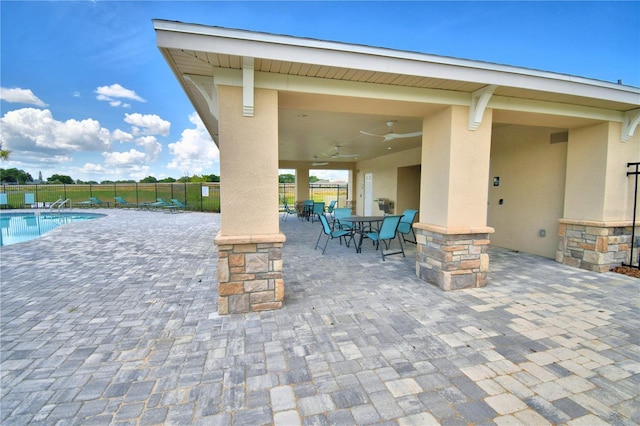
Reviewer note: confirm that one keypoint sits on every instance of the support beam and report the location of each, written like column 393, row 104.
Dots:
column 247, row 86
column 631, row 121
column 479, row 100
column 207, row 89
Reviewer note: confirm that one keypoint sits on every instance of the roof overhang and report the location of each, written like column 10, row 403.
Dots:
column 414, row 83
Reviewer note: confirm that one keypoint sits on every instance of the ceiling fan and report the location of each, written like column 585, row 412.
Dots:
column 317, row 163
column 391, row 135
column 335, row 153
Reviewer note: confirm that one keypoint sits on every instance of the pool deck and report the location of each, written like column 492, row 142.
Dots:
column 114, row 321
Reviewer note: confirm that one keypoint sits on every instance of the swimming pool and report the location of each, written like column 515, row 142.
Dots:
column 19, row 227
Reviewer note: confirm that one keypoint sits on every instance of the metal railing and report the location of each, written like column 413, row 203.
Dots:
column 318, row 192
column 203, row 196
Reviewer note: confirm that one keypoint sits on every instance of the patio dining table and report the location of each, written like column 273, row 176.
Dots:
column 358, row 226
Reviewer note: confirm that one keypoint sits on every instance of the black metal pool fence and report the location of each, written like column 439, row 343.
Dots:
column 204, row 196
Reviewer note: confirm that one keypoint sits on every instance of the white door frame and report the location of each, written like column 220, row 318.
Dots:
column 368, row 193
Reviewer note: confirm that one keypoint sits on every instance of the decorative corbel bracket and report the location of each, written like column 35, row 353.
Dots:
column 247, row 86
column 479, row 100
column 629, row 124
column 204, row 84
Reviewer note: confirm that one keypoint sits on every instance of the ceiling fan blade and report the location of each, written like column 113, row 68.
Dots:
column 406, row 135
column 372, row 134
column 318, row 163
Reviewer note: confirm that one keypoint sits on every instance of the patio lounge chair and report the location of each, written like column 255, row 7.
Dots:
column 178, row 204
column 406, row 225
column 331, row 234
column 3, row 200
column 164, row 206
column 387, row 232
column 154, row 204
column 121, row 202
column 92, row 202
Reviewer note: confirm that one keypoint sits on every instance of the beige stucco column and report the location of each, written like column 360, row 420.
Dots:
column 302, row 183
column 595, row 232
column 249, row 242
column 452, row 234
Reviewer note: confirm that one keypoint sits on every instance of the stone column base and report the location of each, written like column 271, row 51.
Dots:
column 452, row 258
column 249, row 273
column 594, row 245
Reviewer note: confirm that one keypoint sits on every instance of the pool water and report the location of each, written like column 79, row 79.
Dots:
column 19, row 227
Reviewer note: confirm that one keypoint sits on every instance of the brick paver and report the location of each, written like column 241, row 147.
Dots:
column 115, row 321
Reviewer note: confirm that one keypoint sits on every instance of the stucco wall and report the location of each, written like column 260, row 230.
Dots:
column 408, row 188
column 598, row 188
column 385, row 177
column 532, row 182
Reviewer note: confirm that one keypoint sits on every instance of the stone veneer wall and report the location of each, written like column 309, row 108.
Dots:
column 592, row 245
column 250, row 273
column 452, row 258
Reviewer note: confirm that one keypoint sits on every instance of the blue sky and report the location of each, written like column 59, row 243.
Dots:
column 86, row 93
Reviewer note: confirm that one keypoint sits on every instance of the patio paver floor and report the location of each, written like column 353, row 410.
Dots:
column 115, row 321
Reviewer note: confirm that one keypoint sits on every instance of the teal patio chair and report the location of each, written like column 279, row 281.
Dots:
column 3, row 200
column 317, row 211
column 30, row 200
column 331, row 234
column 331, row 206
column 340, row 213
column 406, row 225
column 388, row 231
column 287, row 211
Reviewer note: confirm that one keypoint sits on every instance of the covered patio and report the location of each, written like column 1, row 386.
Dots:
column 531, row 159
column 125, row 329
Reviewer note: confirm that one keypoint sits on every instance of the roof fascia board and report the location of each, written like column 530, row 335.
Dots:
column 284, row 48
column 290, row 83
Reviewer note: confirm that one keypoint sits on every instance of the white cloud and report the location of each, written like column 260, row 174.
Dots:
column 31, row 132
column 195, row 152
column 122, row 136
column 124, row 158
column 22, row 96
column 152, row 147
column 148, row 124
column 114, row 93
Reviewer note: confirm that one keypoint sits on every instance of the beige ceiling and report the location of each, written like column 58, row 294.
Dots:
column 314, row 125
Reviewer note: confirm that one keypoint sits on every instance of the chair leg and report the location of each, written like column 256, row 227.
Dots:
column 325, row 243
column 318, row 242
column 395, row 252
column 409, row 241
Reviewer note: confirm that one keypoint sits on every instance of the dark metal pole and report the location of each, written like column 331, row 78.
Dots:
column 635, row 204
